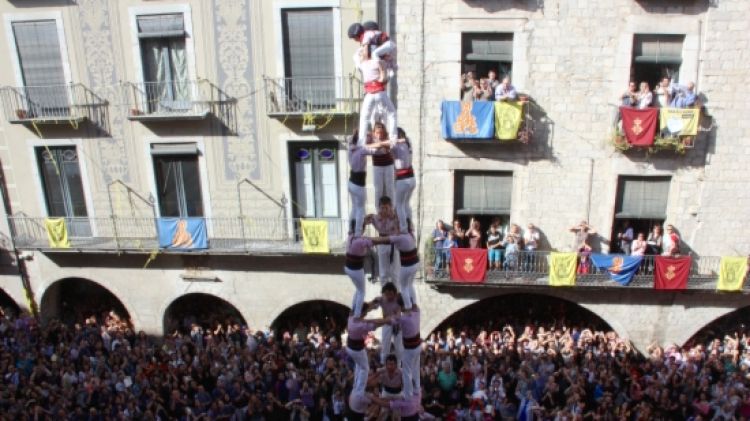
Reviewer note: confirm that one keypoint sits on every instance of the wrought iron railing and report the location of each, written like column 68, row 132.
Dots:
column 50, row 104
column 225, row 235
column 312, row 95
column 172, row 99
column 532, row 268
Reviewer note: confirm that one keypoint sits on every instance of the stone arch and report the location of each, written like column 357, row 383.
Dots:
column 70, row 298
column 325, row 313
column 8, row 303
column 201, row 307
column 523, row 308
column 734, row 320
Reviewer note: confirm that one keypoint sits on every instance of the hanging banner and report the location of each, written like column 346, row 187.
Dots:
column 621, row 268
column 57, row 233
column 679, row 121
column 639, row 125
column 562, row 269
column 182, row 233
column 508, row 115
column 468, row 120
column 732, row 272
column 314, row 236
column 468, row 265
column 671, row 272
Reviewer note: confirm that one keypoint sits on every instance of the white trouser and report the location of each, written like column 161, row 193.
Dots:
column 410, row 370
column 404, row 189
column 369, row 105
column 361, row 369
column 384, row 182
column 387, row 265
column 358, row 279
column 385, row 343
column 358, row 196
column 406, row 279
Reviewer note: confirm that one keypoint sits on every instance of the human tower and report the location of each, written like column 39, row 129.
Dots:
column 379, row 137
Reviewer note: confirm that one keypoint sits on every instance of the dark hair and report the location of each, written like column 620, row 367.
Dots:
column 401, row 134
column 355, row 137
column 355, row 30
column 371, row 26
column 389, row 287
column 384, row 200
column 365, row 309
column 391, row 358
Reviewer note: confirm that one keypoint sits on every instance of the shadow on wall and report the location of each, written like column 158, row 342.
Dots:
column 504, row 5
column 674, row 6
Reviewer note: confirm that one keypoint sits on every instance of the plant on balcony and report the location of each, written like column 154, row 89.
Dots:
column 678, row 144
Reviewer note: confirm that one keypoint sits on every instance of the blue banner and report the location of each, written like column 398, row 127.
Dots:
column 468, row 119
column 182, row 233
column 621, row 268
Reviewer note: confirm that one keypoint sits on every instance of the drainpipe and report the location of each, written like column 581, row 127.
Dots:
column 590, row 190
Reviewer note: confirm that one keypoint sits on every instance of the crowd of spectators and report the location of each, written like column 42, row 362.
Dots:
column 532, row 359
column 488, row 88
column 667, row 94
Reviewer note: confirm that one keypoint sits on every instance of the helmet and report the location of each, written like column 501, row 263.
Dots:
column 355, row 30
column 371, row 26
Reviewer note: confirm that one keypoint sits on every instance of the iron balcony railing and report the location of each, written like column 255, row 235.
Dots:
column 51, row 104
column 532, row 269
column 187, row 99
column 139, row 234
column 312, row 95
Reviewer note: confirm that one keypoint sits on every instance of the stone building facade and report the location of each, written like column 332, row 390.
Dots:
column 265, row 140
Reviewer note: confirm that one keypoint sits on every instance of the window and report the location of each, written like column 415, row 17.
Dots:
column 41, row 64
column 60, row 175
column 482, row 52
column 656, row 56
column 314, row 178
column 642, row 201
column 309, row 57
column 177, row 179
column 165, row 67
column 483, row 195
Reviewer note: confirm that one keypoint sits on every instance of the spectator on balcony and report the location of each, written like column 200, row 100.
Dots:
column 474, row 235
column 684, row 96
column 645, row 96
column 375, row 81
column 450, row 243
column 484, row 92
column 582, row 233
column 439, row 237
column 655, row 240
column 639, row 246
column 467, row 86
column 630, row 97
column 494, row 250
column 511, row 253
column 459, row 234
column 531, row 244
column 625, row 236
column 505, row 91
column 671, row 242
column 492, row 80
column 663, row 93
column 515, row 232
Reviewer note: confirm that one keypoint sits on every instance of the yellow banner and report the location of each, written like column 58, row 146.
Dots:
column 679, row 121
column 562, row 269
column 508, row 119
column 314, row 236
column 57, row 233
column 732, row 271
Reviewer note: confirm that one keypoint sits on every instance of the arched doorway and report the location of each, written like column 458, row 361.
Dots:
column 72, row 300
column 520, row 310
column 737, row 321
column 7, row 304
column 205, row 310
column 329, row 316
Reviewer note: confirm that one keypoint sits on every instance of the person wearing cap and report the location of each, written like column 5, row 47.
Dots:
column 375, row 83
column 377, row 42
column 405, row 181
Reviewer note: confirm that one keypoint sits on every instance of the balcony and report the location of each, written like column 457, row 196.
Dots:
column 57, row 104
column 678, row 130
column 532, row 270
column 230, row 236
column 312, row 96
column 176, row 100
column 510, row 122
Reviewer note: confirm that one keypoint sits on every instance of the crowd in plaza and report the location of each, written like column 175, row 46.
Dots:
column 531, row 360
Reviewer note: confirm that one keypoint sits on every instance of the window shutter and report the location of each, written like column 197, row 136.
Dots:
column 308, row 55
column 174, row 149
column 483, row 194
column 161, row 26
column 488, row 47
column 39, row 53
column 658, row 49
column 644, row 197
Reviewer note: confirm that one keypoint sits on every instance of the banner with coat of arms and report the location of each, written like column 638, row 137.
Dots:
column 639, row 125
column 315, row 236
column 468, row 265
column 562, row 269
column 621, row 268
column 468, row 119
column 671, row 272
column 508, row 115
